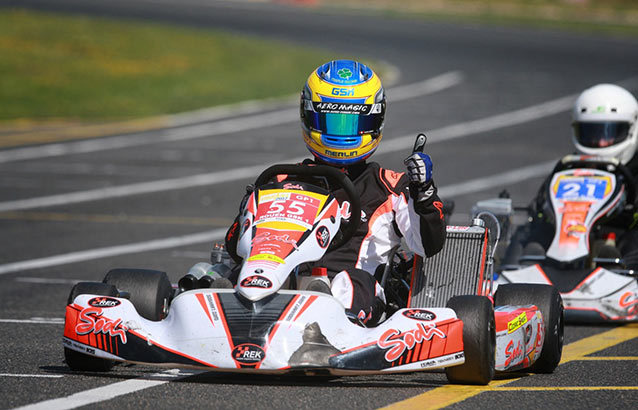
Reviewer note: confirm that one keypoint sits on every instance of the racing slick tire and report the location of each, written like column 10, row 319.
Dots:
column 80, row 361
column 150, row 291
column 479, row 340
column 548, row 300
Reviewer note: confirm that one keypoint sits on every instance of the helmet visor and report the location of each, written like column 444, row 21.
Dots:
column 600, row 134
column 340, row 119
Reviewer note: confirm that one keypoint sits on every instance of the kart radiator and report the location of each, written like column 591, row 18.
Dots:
column 457, row 270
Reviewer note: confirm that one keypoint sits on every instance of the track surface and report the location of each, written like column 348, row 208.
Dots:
column 46, row 245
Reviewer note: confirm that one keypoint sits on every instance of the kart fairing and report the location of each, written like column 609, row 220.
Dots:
column 591, row 292
column 289, row 331
column 591, row 295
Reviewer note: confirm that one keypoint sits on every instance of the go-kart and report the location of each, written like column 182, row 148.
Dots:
column 569, row 246
column 269, row 324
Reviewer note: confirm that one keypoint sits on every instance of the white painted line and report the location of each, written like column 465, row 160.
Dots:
column 52, row 376
column 50, row 281
column 91, row 254
column 497, row 181
column 227, row 126
column 110, row 391
column 167, row 135
column 208, row 179
column 94, row 395
column 491, row 123
column 36, row 320
column 429, row 86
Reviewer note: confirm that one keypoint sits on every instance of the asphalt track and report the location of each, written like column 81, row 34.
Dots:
column 497, row 119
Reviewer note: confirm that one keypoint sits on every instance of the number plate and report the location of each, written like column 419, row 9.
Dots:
column 581, row 188
column 298, row 208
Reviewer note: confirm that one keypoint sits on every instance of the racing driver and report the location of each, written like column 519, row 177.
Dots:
column 342, row 115
column 605, row 124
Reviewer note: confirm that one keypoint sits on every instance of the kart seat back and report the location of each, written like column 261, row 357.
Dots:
column 458, row 269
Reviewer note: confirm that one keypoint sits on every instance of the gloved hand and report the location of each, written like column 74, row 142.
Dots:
column 419, row 168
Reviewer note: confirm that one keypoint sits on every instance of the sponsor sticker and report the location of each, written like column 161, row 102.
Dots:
column 274, row 196
column 439, row 361
column 269, row 237
column 211, row 306
column 248, row 353
column 344, row 73
column 91, row 321
column 629, row 302
column 519, row 321
column 266, row 257
column 343, row 92
column 419, row 314
column 342, row 154
column 346, row 108
column 513, row 354
column 104, row 302
column 289, row 185
column 256, row 281
column 397, row 343
column 323, row 236
column 575, row 228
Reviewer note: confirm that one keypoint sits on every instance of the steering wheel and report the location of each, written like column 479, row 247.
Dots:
column 336, row 178
column 570, row 162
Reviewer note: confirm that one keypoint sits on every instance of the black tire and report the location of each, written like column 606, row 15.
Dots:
column 80, row 361
column 149, row 291
column 479, row 340
column 548, row 300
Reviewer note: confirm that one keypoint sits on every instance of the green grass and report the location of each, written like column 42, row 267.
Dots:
column 84, row 68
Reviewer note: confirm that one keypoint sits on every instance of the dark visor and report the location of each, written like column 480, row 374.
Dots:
column 600, row 134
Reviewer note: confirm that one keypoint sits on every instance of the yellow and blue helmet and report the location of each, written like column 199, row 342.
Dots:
column 342, row 112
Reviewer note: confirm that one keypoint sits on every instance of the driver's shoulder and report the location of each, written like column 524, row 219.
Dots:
column 393, row 182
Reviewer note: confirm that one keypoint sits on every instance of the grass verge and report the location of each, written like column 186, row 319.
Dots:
column 86, row 68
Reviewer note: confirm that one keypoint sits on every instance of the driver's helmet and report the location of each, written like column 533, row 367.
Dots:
column 604, row 122
column 342, row 112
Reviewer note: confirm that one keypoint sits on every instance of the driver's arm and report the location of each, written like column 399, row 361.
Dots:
column 418, row 216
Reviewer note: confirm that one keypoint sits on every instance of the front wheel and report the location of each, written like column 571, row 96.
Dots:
column 479, row 340
column 548, row 300
column 80, row 361
column 150, row 291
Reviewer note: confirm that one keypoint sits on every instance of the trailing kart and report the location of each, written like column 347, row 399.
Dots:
column 266, row 324
column 569, row 247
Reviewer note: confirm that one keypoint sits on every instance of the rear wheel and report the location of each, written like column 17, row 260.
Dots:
column 479, row 340
column 150, row 291
column 548, row 300
column 80, row 361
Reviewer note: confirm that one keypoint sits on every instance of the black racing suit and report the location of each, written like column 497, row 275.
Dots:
column 540, row 231
column 390, row 210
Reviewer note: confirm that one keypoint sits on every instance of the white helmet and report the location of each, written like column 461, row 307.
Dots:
column 604, row 122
